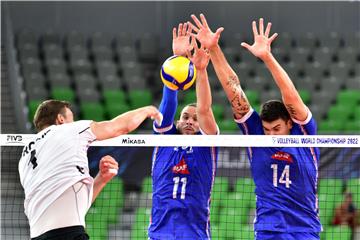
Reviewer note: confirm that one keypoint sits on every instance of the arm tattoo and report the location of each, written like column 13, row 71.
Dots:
column 291, row 110
column 239, row 103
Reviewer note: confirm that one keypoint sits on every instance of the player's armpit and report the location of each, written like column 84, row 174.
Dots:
column 297, row 111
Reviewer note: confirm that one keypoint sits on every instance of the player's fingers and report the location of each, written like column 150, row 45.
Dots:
column 267, row 31
column 184, row 29
column 194, row 43
column 218, row 32
column 254, row 28
column 158, row 118
column 106, row 158
column 188, row 54
column 180, row 29
column 203, row 20
column 112, row 166
column 193, row 27
column 272, row 38
column 174, row 32
column 189, row 30
column 107, row 161
column 245, row 45
column 261, row 26
column 196, row 20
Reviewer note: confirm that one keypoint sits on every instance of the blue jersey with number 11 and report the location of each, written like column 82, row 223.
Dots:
column 182, row 182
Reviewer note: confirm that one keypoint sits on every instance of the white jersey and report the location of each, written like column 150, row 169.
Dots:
column 52, row 162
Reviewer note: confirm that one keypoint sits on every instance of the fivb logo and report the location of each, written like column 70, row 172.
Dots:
column 14, row 138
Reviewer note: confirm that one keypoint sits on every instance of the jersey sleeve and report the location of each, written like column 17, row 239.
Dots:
column 83, row 129
column 250, row 124
column 308, row 126
column 217, row 131
column 167, row 107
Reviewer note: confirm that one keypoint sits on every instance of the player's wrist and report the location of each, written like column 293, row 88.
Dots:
column 214, row 47
column 266, row 57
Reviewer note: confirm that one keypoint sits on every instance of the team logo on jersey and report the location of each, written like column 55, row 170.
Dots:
column 181, row 167
column 282, row 156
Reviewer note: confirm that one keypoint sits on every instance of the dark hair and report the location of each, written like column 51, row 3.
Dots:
column 273, row 110
column 47, row 112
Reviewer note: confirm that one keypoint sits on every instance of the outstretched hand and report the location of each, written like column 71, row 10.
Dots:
column 181, row 39
column 206, row 37
column 262, row 42
column 200, row 58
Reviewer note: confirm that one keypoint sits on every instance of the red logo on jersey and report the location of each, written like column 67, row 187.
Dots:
column 181, row 168
column 282, row 156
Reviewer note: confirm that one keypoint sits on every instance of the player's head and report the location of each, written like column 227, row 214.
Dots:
column 275, row 118
column 52, row 112
column 188, row 123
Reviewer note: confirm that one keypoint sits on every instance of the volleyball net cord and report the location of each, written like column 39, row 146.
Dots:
column 148, row 140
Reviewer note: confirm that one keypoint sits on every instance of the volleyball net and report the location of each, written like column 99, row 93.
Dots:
column 123, row 208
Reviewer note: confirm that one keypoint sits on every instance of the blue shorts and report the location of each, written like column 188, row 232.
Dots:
column 268, row 235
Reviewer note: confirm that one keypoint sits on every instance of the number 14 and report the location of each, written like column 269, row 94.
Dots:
column 285, row 174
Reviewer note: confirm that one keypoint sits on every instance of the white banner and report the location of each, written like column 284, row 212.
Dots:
column 336, row 141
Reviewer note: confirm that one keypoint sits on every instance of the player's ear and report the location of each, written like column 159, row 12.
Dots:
column 289, row 124
column 60, row 119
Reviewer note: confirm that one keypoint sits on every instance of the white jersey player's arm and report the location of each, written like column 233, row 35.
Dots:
column 108, row 168
column 124, row 123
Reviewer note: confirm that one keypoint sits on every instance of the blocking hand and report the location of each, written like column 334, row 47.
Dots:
column 181, row 40
column 262, row 42
column 206, row 37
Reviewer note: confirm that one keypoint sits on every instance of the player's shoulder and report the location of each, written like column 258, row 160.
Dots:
column 76, row 126
column 306, row 127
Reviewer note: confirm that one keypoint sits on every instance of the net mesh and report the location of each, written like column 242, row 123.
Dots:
column 123, row 208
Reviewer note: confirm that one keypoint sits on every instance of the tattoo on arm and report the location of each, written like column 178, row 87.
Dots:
column 291, row 110
column 239, row 103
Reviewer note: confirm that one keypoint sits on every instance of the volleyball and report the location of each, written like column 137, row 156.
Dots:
column 178, row 73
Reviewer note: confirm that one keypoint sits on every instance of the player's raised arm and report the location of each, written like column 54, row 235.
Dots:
column 228, row 78
column 124, row 123
column 261, row 48
column 169, row 102
column 204, row 112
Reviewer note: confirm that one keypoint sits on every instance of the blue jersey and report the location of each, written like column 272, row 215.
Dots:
column 285, row 180
column 182, row 181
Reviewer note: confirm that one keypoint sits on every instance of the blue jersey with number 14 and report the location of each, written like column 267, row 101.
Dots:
column 285, row 180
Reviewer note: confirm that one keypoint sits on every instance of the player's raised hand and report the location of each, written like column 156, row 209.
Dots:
column 200, row 57
column 203, row 33
column 108, row 168
column 181, row 39
column 262, row 42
